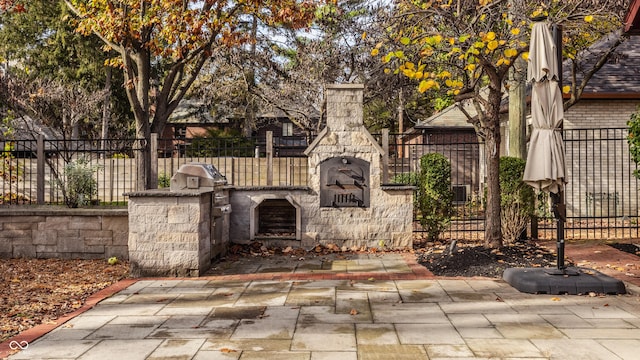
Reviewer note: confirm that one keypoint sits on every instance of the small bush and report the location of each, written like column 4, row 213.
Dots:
column 434, row 195
column 79, row 184
column 119, row 156
column 10, row 170
column 164, row 180
column 517, row 199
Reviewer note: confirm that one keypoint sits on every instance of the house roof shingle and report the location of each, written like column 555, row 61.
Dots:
column 620, row 76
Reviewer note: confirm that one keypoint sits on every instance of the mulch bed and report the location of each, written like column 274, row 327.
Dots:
column 628, row 248
column 472, row 259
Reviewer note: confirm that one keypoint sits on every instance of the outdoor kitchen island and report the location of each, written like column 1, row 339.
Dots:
column 179, row 231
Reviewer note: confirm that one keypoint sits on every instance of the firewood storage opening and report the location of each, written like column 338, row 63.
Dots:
column 344, row 182
column 276, row 219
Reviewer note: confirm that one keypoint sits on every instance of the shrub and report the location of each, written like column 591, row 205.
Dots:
column 164, row 180
column 517, row 199
column 10, row 170
column 634, row 139
column 434, row 195
column 79, row 184
column 217, row 143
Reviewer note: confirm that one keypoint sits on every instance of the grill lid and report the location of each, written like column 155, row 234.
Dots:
column 195, row 175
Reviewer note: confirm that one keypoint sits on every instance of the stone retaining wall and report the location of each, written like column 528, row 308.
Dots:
column 63, row 233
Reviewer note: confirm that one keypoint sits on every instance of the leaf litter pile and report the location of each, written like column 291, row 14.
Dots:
column 468, row 260
column 38, row 291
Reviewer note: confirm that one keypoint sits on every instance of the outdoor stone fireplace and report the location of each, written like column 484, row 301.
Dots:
column 274, row 216
column 345, row 203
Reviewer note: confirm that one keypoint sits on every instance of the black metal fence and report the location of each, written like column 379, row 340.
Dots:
column 464, row 154
column 601, row 194
column 38, row 172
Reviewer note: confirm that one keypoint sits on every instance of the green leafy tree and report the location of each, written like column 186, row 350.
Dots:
column 466, row 48
column 163, row 45
column 39, row 47
column 435, row 198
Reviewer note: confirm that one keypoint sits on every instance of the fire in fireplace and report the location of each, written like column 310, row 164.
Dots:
column 344, row 182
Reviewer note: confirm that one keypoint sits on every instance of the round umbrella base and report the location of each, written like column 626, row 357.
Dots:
column 554, row 281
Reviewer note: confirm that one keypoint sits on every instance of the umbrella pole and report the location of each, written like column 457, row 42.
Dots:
column 560, row 212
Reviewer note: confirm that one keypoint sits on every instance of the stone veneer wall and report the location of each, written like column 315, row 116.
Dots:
column 51, row 232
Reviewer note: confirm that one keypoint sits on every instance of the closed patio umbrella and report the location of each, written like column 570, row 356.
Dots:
column 545, row 170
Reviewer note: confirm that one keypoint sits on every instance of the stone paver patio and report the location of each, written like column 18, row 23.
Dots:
column 366, row 308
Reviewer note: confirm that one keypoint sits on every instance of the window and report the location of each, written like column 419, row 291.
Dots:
column 461, row 193
column 287, row 129
column 181, row 133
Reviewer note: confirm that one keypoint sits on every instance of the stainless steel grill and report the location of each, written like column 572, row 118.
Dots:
column 197, row 176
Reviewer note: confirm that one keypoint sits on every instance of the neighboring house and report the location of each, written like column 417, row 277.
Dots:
column 189, row 120
column 448, row 132
column 605, row 107
column 288, row 138
column 613, row 93
column 192, row 119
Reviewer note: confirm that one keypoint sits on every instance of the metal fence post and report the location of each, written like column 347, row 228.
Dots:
column 40, row 170
column 385, row 156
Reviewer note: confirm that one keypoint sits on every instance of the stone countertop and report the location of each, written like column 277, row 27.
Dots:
column 275, row 188
column 54, row 210
column 166, row 192
column 398, row 187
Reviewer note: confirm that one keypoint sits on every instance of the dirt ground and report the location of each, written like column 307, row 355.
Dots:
column 474, row 260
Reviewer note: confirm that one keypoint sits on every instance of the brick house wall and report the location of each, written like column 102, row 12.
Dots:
column 602, row 183
column 591, row 113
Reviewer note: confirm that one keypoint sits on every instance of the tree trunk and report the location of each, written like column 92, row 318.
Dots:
column 106, row 111
column 517, row 110
column 137, row 89
column 250, row 114
column 493, row 226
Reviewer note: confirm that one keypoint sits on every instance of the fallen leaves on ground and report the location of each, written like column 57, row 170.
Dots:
column 257, row 248
column 39, row 291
